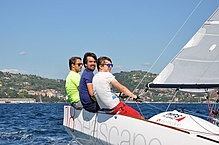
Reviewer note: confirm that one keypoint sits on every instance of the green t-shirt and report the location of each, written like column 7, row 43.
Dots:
column 71, row 86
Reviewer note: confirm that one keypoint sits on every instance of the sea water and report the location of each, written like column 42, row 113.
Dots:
column 41, row 124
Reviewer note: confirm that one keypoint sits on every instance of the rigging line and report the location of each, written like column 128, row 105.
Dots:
column 202, row 125
column 165, row 50
column 177, row 90
column 197, row 131
column 195, row 113
column 169, row 43
column 140, row 110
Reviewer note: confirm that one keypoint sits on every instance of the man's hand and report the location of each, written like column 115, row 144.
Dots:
column 138, row 99
column 93, row 98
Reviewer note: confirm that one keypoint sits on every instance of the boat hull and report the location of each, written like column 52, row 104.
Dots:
column 101, row 128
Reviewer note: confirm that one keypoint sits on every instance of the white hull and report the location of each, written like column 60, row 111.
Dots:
column 100, row 128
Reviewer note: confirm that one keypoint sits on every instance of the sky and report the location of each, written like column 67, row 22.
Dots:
column 39, row 36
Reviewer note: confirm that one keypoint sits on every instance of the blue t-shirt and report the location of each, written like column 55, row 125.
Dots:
column 86, row 77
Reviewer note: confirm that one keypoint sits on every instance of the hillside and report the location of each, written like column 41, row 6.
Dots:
column 32, row 86
column 132, row 79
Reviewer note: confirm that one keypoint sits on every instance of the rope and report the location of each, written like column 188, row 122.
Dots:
column 168, row 44
column 177, row 90
column 165, row 50
column 203, row 126
column 195, row 113
column 140, row 110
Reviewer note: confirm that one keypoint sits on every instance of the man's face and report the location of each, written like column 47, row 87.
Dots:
column 91, row 63
column 78, row 65
column 106, row 67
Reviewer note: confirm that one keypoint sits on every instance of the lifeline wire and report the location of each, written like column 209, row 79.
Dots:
column 177, row 90
column 168, row 44
column 164, row 51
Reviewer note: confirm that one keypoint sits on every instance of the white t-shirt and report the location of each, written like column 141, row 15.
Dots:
column 103, row 92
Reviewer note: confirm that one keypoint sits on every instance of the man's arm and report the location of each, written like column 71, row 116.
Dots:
column 122, row 88
column 90, row 91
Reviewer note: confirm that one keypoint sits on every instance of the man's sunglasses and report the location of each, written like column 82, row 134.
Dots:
column 109, row 65
column 79, row 64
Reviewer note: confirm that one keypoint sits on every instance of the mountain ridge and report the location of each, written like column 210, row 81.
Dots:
column 33, row 86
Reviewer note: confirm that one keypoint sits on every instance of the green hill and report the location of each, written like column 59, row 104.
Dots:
column 32, row 86
column 133, row 78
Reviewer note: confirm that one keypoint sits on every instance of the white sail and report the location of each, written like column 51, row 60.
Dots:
column 198, row 60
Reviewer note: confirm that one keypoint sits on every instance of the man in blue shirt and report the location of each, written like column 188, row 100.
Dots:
column 85, row 87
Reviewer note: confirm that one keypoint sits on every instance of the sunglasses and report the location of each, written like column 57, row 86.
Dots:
column 79, row 64
column 109, row 65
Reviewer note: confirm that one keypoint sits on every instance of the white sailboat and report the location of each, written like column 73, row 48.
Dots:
column 201, row 54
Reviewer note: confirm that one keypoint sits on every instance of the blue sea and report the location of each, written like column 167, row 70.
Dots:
column 41, row 124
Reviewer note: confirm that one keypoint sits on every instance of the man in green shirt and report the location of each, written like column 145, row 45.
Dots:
column 72, row 82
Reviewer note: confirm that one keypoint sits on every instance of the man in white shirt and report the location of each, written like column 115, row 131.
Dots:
column 107, row 100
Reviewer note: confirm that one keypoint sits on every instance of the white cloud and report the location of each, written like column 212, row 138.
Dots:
column 13, row 70
column 119, row 68
column 146, row 64
column 22, row 53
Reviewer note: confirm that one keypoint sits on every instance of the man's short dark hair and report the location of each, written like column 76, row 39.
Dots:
column 89, row 54
column 101, row 61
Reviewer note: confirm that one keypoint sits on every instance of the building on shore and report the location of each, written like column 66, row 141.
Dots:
column 17, row 100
